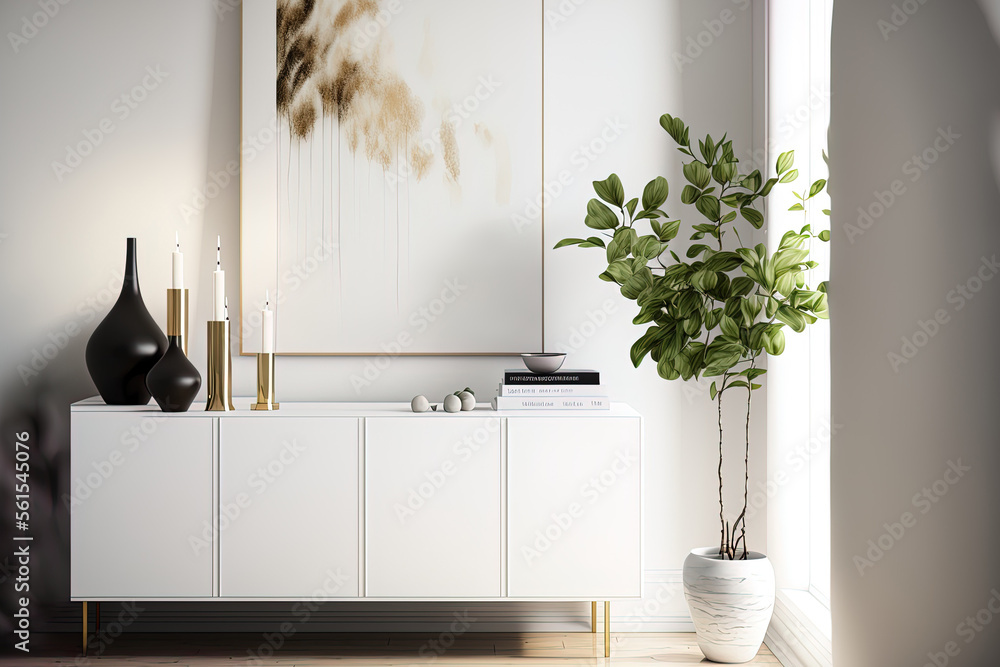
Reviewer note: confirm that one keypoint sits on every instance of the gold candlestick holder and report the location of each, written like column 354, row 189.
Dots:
column 220, row 368
column 265, row 383
column 177, row 316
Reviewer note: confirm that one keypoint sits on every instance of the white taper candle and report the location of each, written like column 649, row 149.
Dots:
column 177, row 265
column 219, row 311
column 267, row 325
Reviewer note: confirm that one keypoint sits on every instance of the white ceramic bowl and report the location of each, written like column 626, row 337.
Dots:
column 543, row 363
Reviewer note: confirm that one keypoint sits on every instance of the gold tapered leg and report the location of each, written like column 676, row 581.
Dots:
column 85, row 628
column 607, row 628
column 593, row 616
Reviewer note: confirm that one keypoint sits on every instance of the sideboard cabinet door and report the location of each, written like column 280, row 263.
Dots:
column 288, row 503
column 141, row 504
column 433, row 506
column 574, row 503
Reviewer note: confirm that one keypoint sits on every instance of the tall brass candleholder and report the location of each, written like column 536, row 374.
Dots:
column 220, row 367
column 177, row 316
column 265, row 383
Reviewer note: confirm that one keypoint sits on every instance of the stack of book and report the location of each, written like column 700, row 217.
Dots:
column 562, row 390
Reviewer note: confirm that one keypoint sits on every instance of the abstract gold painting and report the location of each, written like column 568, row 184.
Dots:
column 390, row 148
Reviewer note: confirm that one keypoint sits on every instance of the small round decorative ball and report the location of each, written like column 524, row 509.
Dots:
column 452, row 403
column 420, row 404
column 468, row 400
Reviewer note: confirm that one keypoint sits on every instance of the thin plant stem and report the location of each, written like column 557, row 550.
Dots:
column 724, row 545
column 746, row 467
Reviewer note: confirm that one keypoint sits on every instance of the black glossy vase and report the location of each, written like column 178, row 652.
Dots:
column 126, row 345
column 174, row 381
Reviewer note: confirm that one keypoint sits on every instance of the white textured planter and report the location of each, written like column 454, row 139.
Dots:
column 730, row 602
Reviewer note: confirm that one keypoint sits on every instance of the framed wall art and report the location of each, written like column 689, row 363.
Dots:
column 389, row 151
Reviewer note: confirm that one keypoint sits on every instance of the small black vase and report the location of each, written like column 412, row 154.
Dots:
column 126, row 345
column 174, row 381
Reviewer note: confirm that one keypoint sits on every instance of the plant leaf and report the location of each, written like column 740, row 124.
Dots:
column 697, row 174
column 766, row 190
column 655, row 193
column 676, row 129
column 789, row 257
column 645, row 343
column 786, row 283
column 600, row 216
column 690, row 194
column 669, row 229
column 750, row 309
column 630, row 207
column 774, row 342
column 733, row 200
column 741, row 286
column 791, row 317
column 708, row 149
column 704, row 280
column 753, row 216
column 729, row 327
column 790, row 176
column 752, row 182
column 708, row 206
column 626, row 237
column 785, row 161
column 619, row 271
column 639, row 281
column 615, row 251
column 696, row 249
column 724, row 172
column 647, row 247
column 749, row 256
column 611, row 190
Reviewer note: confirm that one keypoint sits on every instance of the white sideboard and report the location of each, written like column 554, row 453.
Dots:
column 354, row 501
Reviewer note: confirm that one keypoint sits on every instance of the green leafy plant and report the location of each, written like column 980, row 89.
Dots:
column 717, row 313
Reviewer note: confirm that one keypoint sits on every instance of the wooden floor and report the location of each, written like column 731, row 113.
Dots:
column 370, row 650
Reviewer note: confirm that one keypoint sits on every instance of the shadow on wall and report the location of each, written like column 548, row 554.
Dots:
column 40, row 408
column 36, row 396
column 915, row 312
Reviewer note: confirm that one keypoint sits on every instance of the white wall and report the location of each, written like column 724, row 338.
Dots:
column 897, row 92
column 611, row 69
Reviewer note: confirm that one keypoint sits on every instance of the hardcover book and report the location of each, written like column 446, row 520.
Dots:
column 559, row 377
column 552, row 390
column 551, row 403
